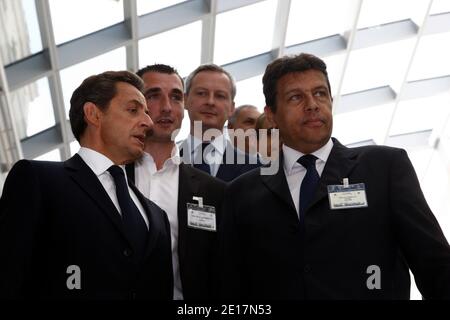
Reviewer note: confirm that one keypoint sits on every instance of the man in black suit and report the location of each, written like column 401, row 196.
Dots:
column 76, row 229
column 210, row 92
column 332, row 222
column 178, row 188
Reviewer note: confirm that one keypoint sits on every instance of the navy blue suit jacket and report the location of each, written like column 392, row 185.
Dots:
column 57, row 214
column 234, row 163
column 264, row 257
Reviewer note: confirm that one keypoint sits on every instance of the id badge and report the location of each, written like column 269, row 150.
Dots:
column 203, row 217
column 347, row 196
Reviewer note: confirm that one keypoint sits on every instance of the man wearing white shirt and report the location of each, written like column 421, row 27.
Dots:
column 163, row 178
column 332, row 222
column 210, row 92
column 78, row 229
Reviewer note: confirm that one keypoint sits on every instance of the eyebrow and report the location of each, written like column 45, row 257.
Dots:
column 157, row 89
column 301, row 90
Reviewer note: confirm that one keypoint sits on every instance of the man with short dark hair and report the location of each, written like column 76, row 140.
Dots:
column 210, row 92
column 78, row 229
column 178, row 188
column 332, row 222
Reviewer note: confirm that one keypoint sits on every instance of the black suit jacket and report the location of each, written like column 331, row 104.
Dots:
column 57, row 214
column 234, row 163
column 263, row 257
column 197, row 249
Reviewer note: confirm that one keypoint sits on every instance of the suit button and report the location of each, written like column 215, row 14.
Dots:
column 127, row 252
column 307, row 268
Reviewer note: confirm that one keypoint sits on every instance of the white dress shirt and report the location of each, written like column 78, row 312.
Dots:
column 100, row 164
column 214, row 157
column 161, row 186
column 295, row 172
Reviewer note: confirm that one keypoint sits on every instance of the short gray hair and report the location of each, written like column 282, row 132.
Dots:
column 232, row 119
column 214, row 68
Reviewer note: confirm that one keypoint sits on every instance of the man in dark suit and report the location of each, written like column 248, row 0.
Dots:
column 210, row 92
column 76, row 229
column 331, row 222
column 179, row 189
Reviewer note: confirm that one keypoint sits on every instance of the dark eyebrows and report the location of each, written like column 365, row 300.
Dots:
column 151, row 90
column 177, row 91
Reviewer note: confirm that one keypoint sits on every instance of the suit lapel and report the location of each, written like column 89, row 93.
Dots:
column 188, row 185
column 339, row 165
column 277, row 183
column 88, row 182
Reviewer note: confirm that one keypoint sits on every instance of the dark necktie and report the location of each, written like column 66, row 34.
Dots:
column 203, row 165
column 309, row 184
column 133, row 222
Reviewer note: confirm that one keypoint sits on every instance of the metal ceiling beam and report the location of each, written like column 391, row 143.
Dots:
column 172, row 17
column 227, row 5
column 93, row 45
column 410, row 140
column 131, row 23
column 10, row 142
column 365, row 99
column 209, row 33
column 351, row 37
column 280, row 28
column 405, row 78
column 54, row 79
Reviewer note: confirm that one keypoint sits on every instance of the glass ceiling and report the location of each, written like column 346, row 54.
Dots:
column 388, row 64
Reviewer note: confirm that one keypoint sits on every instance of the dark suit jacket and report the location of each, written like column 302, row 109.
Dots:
column 197, row 249
column 263, row 257
column 234, row 163
column 57, row 214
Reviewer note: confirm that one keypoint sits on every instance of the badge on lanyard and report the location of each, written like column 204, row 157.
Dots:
column 201, row 216
column 347, row 196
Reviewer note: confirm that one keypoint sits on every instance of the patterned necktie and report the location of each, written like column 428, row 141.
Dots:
column 203, row 165
column 133, row 222
column 309, row 184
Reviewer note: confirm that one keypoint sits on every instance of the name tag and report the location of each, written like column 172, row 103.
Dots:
column 203, row 217
column 347, row 196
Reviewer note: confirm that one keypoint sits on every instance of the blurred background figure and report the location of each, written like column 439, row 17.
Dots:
column 268, row 138
column 244, row 118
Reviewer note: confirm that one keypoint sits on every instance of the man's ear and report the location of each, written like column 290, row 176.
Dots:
column 270, row 117
column 92, row 114
column 232, row 108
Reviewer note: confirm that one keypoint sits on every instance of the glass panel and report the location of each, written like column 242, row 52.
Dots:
column 376, row 12
column 146, row 6
column 310, row 20
column 180, row 47
column 362, row 125
column 73, row 19
column 334, row 63
column 440, row 6
column 239, row 37
column 19, row 32
column 432, row 57
column 250, row 91
column 421, row 114
column 32, row 108
column 72, row 77
column 53, row 155
column 364, row 71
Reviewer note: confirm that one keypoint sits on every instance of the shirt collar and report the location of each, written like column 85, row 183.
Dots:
column 174, row 160
column 290, row 156
column 97, row 161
